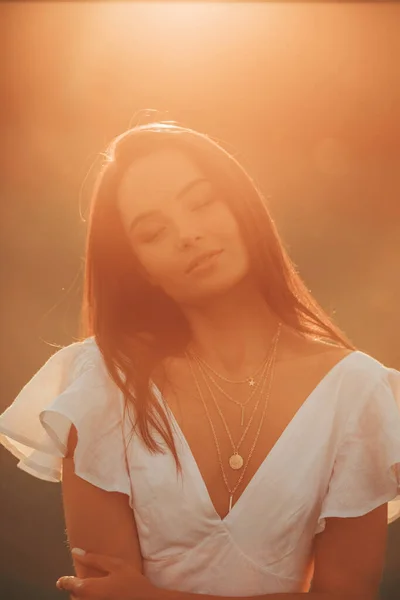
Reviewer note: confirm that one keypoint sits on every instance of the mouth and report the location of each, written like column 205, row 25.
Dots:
column 202, row 259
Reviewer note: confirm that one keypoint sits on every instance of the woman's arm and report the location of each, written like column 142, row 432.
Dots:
column 96, row 520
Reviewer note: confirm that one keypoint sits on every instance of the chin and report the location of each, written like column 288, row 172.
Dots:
column 207, row 290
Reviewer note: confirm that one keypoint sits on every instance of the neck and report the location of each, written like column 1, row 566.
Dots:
column 233, row 334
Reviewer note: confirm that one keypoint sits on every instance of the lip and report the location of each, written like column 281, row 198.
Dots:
column 197, row 261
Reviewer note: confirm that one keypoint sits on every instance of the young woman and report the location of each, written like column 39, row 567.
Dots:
column 214, row 431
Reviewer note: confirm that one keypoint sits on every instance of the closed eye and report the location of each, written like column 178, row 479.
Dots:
column 203, row 204
column 150, row 237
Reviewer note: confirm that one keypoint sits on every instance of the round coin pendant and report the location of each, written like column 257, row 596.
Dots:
column 236, row 461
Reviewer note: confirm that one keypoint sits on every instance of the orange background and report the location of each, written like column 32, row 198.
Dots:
column 306, row 95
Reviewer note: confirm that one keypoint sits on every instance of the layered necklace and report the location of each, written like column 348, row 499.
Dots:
column 208, row 372
column 265, row 373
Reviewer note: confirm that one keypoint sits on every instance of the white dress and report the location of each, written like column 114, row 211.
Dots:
column 338, row 457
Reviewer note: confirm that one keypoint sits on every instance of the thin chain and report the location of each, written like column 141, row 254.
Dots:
column 232, row 491
column 229, row 380
column 254, row 409
column 223, row 391
column 241, row 404
column 236, row 448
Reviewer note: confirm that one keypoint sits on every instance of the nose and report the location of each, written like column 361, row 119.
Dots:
column 187, row 232
column 188, row 238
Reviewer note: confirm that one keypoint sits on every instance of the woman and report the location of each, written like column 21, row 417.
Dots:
column 216, row 433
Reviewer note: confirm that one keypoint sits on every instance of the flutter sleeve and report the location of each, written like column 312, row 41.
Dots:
column 366, row 471
column 72, row 387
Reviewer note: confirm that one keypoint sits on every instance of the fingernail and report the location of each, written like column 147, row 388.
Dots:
column 78, row 551
column 68, row 582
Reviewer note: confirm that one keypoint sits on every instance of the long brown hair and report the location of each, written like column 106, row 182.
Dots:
column 135, row 324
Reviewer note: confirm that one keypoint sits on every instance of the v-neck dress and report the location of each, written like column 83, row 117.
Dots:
column 338, row 457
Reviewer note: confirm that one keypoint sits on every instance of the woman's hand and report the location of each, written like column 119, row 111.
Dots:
column 121, row 581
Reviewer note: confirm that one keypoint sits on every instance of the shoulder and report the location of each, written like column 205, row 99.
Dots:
column 75, row 358
column 308, row 353
column 355, row 368
column 367, row 391
column 85, row 351
column 77, row 373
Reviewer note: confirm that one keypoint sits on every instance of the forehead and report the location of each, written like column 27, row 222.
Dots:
column 155, row 179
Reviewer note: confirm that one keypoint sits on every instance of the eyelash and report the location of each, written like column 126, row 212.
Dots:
column 206, row 203
column 153, row 237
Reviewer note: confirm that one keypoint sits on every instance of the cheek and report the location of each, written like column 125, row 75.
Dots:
column 230, row 234
column 223, row 223
column 158, row 264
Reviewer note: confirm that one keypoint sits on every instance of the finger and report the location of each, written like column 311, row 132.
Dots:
column 92, row 588
column 104, row 563
column 72, row 584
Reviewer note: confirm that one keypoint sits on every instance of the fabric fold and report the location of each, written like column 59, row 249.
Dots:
column 366, row 472
column 71, row 388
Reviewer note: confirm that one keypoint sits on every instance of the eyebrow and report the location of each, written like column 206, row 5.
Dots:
column 152, row 213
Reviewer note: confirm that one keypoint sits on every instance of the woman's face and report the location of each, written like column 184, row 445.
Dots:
column 172, row 216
